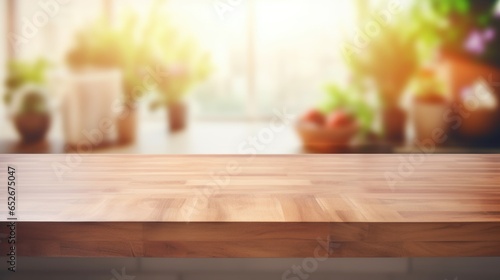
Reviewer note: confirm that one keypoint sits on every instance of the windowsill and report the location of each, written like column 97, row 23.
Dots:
column 153, row 138
column 205, row 137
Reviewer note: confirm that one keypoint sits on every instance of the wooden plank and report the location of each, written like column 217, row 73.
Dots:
column 414, row 249
column 414, row 239
column 414, row 232
column 171, row 239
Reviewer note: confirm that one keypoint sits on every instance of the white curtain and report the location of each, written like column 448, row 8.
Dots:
column 47, row 27
column 3, row 58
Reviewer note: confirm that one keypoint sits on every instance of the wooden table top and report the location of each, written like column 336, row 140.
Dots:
column 306, row 188
column 405, row 201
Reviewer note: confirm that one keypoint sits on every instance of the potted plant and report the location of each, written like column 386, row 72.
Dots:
column 468, row 40
column 27, row 99
column 429, row 105
column 108, row 49
column 185, row 65
column 387, row 63
column 464, row 32
column 172, row 91
column 341, row 116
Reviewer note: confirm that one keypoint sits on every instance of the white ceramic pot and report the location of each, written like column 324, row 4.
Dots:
column 88, row 106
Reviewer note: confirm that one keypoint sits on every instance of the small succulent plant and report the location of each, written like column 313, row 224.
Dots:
column 25, row 86
column 30, row 99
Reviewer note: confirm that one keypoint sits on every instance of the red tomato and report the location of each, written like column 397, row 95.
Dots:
column 314, row 116
column 339, row 119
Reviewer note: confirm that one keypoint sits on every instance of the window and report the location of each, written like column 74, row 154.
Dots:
column 3, row 50
column 47, row 27
column 266, row 53
column 297, row 45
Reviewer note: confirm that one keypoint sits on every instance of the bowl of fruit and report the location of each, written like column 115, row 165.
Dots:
column 327, row 132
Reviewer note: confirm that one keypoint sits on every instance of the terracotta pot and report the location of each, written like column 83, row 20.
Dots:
column 463, row 74
column 32, row 127
column 177, row 116
column 127, row 123
column 394, row 124
column 480, row 125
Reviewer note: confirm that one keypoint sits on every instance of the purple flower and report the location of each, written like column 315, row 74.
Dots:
column 478, row 41
column 475, row 43
column 489, row 34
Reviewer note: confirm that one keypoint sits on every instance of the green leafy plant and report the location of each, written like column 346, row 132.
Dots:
column 179, row 56
column 455, row 19
column 350, row 100
column 184, row 72
column 389, row 60
column 449, row 24
column 135, row 47
column 23, row 74
column 392, row 57
column 124, row 47
column 33, row 100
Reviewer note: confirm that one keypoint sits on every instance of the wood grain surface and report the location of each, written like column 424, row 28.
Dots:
column 256, row 206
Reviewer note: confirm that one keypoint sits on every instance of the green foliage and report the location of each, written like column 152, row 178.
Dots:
column 141, row 46
column 33, row 101
column 123, row 47
column 349, row 99
column 179, row 55
column 447, row 24
column 389, row 59
column 392, row 57
column 21, row 73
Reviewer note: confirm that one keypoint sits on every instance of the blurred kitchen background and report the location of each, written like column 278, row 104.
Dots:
column 250, row 76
